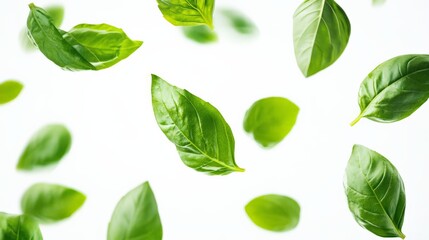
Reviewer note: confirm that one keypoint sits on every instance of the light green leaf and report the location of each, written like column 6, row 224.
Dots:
column 378, row 2
column 270, row 120
column 202, row 137
column 395, row 89
column 274, row 212
column 19, row 228
column 187, row 12
column 239, row 22
column 51, row 203
column 46, row 147
column 136, row 216
column 200, row 34
column 9, row 90
column 321, row 31
column 375, row 192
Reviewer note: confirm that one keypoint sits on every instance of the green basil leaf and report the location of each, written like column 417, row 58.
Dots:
column 274, row 212
column 202, row 137
column 239, row 22
column 321, row 31
column 46, row 147
column 187, row 12
column 50, row 202
column 19, row 228
column 395, row 89
column 378, row 2
column 9, row 90
column 136, row 216
column 375, row 192
column 102, row 45
column 200, row 34
column 270, row 120
column 51, row 42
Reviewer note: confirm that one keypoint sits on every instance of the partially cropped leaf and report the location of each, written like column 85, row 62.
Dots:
column 274, row 212
column 51, row 203
column 375, row 192
column 378, row 2
column 136, row 216
column 200, row 34
column 239, row 22
column 9, row 90
column 188, row 12
column 22, row 227
column 84, row 47
column 202, row 137
column 46, row 147
column 395, row 89
column 270, row 120
column 321, row 31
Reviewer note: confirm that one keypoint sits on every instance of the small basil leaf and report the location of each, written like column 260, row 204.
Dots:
column 51, row 42
column 200, row 34
column 20, row 227
column 202, row 137
column 395, row 89
column 102, row 45
column 378, row 2
column 239, row 22
column 187, row 12
column 136, row 216
column 9, row 90
column 270, row 120
column 46, row 147
column 274, row 212
column 375, row 192
column 51, row 203
column 321, row 31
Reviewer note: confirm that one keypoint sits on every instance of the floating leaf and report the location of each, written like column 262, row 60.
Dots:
column 19, row 228
column 187, row 12
column 200, row 34
column 9, row 90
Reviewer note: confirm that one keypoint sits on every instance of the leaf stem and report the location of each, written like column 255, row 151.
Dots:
column 356, row 120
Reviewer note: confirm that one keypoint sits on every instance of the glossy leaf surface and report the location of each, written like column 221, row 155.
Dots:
column 51, row 203
column 321, row 31
column 239, row 22
column 395, row 89
column 46, row 147
column 19, row 228
column 202, row 137
column 187, row 12
column 136, row 216
column 270, row 120
column 274, row 212
column 9, row 90
column 200, row 34
column 375, row 192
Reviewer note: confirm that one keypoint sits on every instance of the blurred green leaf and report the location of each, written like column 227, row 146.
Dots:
column 9, row 90
column 19, row 228
column 239, row 22
column 200, row 34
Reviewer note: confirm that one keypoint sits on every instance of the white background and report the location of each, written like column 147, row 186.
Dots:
column 117, row 144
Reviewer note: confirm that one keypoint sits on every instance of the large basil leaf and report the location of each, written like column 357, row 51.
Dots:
column 187, row 12
column 200, row 34
column 136, row 216
column 9, row 90
column 20, row 227
column 51, row 202
column 375, row 192
column 202, row 137
column 102, row 45
column 270, row 120
column 394, row 89
column 321, row 31
column 274, row 212
column 84, row 47
column 46, row 147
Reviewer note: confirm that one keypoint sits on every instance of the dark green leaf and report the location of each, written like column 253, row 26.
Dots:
column 136, row 216
column 274, row 212
column 9, row 90
column 395, row 89
column 51, row 203
column 19, row 228
column 321, row 31
column 270, row 120
column 187, row 12
column 202, row 137
column 239, row 22
column 200, row 34
column 375, row 192
column 46, row 147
